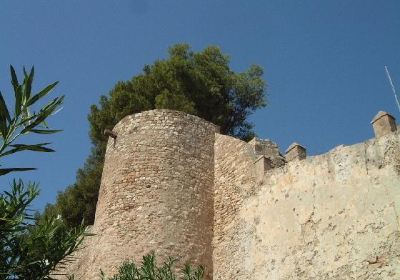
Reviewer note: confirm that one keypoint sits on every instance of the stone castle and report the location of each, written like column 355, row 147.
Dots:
column 172, row 184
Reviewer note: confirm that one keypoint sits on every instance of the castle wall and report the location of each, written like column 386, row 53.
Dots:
column 333, row 216
column 172, row 185
column 156, row 194
column 235, row 178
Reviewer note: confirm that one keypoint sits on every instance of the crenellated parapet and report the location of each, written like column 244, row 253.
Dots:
column 329, row 216
column 171, row 183
column 268, row 157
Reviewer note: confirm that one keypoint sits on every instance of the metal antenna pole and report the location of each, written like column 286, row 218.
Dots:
column 393, row 88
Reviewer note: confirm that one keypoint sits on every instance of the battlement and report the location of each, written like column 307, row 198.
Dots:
column 329, row 216
column 173, row 184
column 268, row 156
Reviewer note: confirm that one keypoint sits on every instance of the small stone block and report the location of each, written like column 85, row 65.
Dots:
column 262, row 164
column 295, row 152
column 383, row 123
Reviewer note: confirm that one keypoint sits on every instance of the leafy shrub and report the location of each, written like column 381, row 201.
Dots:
column 149, row 270
column 28, row 250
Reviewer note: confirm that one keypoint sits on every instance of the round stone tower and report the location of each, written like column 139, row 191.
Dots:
column 156, row 192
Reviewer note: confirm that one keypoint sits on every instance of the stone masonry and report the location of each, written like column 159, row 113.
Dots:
column 173, row 185
column 156, row 194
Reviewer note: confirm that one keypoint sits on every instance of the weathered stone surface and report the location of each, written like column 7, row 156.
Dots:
column 235, row 180
column 295, row 152
column 172, row 185
column 333, row 216
column 268, row 149
column 156, row 194
column 262, row 165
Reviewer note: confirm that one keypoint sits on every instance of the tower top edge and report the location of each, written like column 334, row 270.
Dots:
column 165, row 112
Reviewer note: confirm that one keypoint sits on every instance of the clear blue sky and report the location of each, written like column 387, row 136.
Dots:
column 323, row 62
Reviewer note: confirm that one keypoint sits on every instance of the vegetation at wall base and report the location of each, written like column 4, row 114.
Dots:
column 29, row 250
column 199, row 83
column 149, row 270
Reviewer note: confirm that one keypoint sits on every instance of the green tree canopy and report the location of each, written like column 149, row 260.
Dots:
column 199, row 83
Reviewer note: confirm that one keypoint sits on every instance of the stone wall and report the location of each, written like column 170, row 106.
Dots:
column 333, row 216
column 234, row 183
column 172, row 185
column 156, row 194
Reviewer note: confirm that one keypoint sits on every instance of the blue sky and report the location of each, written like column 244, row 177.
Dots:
column 323, row 62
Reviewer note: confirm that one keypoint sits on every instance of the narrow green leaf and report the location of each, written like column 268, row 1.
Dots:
column 4, row 117
column 41, row 94
column 34, row 147
column 18, row 101
column 17, row 91
column 22, row 147
column 4, row 171
column 3, row 108
column 14, row 79
column 46, row 131
column 28, row 83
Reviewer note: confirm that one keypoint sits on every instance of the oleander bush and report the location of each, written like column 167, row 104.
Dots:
column 29, row 248
column 150, row 270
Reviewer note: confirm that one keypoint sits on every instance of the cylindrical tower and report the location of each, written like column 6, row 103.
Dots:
column 156, row 192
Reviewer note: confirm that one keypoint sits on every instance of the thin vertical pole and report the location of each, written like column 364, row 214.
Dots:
column 393, row 88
